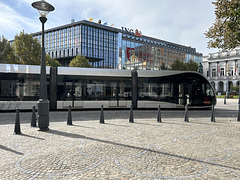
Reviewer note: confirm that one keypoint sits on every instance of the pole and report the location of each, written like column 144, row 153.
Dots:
column 69, row 119
column 238, row 92
column 238, row 117
column 33, row 120
column 43, row 103
column 131, row 115
column 186, row 119
column 17, row 129
column 43, row 85
column 159, row 114
column 102, row 115
column 213, row 114
column 227, row 86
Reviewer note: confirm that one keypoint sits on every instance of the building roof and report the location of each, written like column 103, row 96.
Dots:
column 100, row 26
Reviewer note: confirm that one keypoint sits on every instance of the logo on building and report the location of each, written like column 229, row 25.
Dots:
column 132, row 32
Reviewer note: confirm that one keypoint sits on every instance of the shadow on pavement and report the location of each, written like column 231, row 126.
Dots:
column 72, row 135
column 10, row 150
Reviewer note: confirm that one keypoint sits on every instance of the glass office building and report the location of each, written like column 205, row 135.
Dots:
column 141, row 52
column 112, row 48
column 98, row 43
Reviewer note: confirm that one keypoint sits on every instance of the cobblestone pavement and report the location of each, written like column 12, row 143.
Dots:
column 145, row 149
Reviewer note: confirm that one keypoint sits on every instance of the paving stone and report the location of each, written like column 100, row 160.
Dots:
column 117, row 149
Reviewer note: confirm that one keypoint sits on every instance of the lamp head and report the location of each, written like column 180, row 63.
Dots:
column 43, row 8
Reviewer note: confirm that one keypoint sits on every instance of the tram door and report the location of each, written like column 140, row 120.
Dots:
column 75, row 90
column 181, row 93
column 185, row 93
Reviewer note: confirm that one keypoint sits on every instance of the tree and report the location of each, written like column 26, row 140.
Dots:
column 27, row 49
column 178, row 65
column 192, row 66
column 79, row 61
column 163, row 66
column 7, row 55
column 181, row 66
column 225, row 34
column 52, row 62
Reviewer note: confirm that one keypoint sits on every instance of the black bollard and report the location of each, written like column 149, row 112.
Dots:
column 225, row 100
column 34, row 119
column 102, row 115
column 17, row 129
column 159, row 114
column 131, row 115
column 69, row 120
column 238, row 118
column 186, row 119
column 213, row 114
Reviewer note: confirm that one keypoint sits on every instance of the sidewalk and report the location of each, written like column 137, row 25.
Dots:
column 121, row 150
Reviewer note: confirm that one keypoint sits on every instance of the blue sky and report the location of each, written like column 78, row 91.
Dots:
column 178, row 21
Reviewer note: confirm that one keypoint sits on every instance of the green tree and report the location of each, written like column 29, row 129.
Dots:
column 163, row 66
column 52, row 62
column 79, row 61
column 181, row 66
column 178, row 65
column 235, row 88
column 225, row 34
column 7, row 55
column 27, row 49
column 192, row 66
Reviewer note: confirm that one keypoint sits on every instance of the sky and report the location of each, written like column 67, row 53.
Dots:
column 179, row 21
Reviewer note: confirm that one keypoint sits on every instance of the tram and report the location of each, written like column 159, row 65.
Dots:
column 89, row 88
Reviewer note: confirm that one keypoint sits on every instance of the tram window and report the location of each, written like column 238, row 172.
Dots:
column 8, row 88
column 153, row 89
column 93, row 88
column 209, row 90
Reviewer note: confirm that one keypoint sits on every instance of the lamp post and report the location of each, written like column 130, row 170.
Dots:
column 43, row 104
column 236, row 70
column 227, row 85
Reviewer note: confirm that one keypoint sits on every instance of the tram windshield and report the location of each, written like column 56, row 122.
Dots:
column 182, row 89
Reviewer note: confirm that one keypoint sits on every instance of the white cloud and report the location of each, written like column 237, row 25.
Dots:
column 13, row 23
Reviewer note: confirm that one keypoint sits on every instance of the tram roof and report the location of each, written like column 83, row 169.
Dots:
column 93, row 72
column 146, row 73
column 25, row 69
column 34, row 69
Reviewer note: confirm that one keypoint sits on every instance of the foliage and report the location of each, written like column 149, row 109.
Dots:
column 192, row 66
column 225, row 34
column 163, row 66
column 79, row 61
column 178, row 65
column 181, row 66
column 235, row 88
column 52, row 62
column 7, row 55
column 27, row 49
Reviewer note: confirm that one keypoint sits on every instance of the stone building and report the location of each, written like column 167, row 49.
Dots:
column 222, row 69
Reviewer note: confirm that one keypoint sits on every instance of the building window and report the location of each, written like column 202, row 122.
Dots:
column 222, row 72
column 230, row 72
column 214, row 74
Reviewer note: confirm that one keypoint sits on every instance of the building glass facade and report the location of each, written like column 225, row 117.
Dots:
column 108, row 47
column 149, row 53
column 98, row 45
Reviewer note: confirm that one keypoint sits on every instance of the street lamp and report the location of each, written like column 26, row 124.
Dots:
column 43, row 104
column 236, row 73
column 227, row 84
